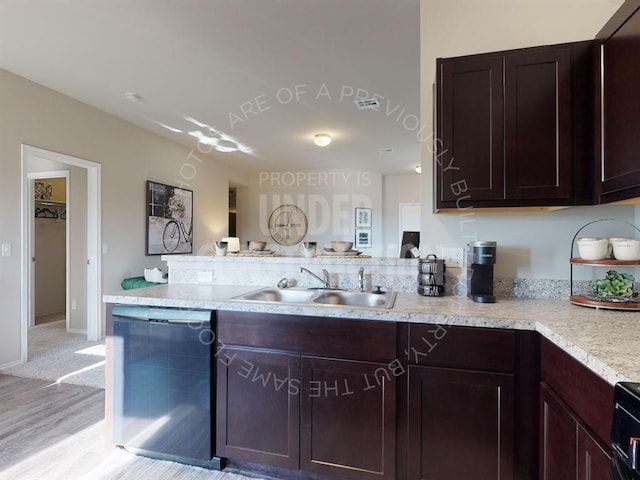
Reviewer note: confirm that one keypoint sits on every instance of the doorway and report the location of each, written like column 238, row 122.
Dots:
column 34, row 160
column 50, row 247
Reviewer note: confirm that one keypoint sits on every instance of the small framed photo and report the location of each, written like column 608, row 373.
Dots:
column 363, row 217
column 363, row 238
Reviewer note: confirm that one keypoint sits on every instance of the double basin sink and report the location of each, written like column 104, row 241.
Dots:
column 320, row 297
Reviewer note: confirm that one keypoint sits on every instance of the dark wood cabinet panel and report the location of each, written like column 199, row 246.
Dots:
column 593, row 459
column 470, row 118
column 570, row 380
column 568, row 450
column 462, row 347
column 348, row 420
column 618, row 105
column 537, row 125
column 327, row 337
column 515, row 128
column 461, row 424
column 258, row 407
column 558, row 438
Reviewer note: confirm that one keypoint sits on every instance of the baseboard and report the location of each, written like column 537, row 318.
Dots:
column 10, row 365
column 77, row 330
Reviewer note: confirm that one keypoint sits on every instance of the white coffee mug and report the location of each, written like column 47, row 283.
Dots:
column 308, row 249
column 221, row 248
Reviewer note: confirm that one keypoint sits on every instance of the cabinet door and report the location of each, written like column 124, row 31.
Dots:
column 469, row 148
column 537, row 89
column 258, row 407
column 461, row 424
column 619, row 107
column 558, row 438
column 348, row 420
column 593, row 460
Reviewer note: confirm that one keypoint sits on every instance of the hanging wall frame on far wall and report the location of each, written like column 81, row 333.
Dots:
column 169, row 219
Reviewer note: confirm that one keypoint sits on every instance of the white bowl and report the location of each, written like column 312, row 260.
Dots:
column 627, row 249
column 341, row 246
column 257, row 245
column 593, row 248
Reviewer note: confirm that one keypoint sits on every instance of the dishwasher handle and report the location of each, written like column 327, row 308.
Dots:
column 171, row 315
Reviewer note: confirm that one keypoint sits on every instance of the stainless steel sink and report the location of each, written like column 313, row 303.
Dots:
column 279, row 295
column 357, row 299
column 320, row 297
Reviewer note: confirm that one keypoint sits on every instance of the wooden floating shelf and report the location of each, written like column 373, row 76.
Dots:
column 588, row 302
column 605, row 262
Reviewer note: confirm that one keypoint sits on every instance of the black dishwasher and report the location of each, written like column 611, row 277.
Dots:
column 163, row 383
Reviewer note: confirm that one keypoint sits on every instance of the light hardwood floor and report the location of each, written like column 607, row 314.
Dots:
column 56, row 432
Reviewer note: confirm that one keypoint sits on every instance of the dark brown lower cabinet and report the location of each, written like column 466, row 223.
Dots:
column 568, row 450
column 348, row 419
column 461, row 424
column 593, row 460
column 307, row 397
column 258, row 407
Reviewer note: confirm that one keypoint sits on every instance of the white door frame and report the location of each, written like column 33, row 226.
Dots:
column 94, row 236
column 32, row 176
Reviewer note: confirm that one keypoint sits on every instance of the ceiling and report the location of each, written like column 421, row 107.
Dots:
column 264, row 75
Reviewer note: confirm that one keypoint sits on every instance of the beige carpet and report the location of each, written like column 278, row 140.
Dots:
column 62, row 357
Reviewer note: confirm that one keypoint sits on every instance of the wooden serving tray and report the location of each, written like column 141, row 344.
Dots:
column 588, row 302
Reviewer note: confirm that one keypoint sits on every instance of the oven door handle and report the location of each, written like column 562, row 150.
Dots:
column 634, row 450
column 619, row 470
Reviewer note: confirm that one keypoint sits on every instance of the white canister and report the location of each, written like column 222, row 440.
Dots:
column 590, row 248
column 626, row 249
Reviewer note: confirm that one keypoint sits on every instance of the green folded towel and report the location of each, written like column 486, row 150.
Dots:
column 136, row 282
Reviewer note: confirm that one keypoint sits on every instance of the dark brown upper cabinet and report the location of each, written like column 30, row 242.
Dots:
column 618, row 104
column 513, row 128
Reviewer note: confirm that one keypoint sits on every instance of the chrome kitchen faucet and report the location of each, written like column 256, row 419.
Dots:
column 325, row 281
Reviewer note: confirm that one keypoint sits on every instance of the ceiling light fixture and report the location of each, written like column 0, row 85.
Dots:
column 322, row 139
column 418, row 168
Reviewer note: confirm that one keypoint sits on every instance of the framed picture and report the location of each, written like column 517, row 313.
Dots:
column 42, row 190
column 363, row 217
column 363, row 238
column 169, row 219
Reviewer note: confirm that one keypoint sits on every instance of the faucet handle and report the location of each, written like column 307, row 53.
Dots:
column 327, row 278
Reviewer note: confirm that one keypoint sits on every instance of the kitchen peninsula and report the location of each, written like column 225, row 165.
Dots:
column 525, row 363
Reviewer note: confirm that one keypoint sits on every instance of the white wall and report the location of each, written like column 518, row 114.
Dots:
column 37, row 116
column 328, row 198
column 533, row 245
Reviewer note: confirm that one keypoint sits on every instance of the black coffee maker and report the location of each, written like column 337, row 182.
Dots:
column 481, row 257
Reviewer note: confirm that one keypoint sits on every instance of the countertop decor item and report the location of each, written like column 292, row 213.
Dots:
column 616, row 290
column 615, row 286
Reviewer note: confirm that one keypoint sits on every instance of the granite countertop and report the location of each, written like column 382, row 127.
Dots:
column 606, row 341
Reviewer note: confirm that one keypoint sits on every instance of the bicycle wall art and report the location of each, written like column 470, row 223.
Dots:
column 169, row 219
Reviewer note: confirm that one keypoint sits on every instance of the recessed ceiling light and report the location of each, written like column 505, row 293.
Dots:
column 322, row 139
column 133, row 97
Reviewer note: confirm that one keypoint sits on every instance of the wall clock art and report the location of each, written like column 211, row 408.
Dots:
column 288, row 225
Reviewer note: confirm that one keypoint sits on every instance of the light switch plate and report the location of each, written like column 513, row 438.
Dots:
column 6, row 249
